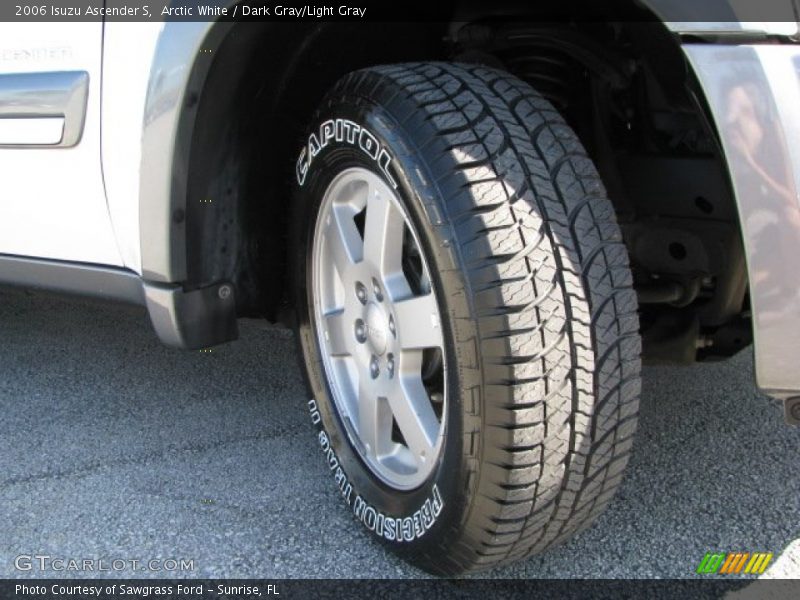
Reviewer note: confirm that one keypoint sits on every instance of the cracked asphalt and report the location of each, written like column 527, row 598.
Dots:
column 115, row 447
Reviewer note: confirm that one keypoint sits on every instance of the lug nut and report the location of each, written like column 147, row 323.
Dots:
column 361, row 331
column 376, row 289
column 390, row 365
column 361, row 292
column 391, row 326
column 374, row 367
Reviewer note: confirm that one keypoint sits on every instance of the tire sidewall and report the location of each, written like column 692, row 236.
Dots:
column 436, row 506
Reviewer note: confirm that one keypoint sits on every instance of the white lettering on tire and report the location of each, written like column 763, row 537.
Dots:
column 394, row 529
column 343, row 131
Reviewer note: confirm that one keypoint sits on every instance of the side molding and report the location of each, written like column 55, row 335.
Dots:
column 96, row 281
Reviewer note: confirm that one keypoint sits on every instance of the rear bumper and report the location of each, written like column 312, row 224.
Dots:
column 754, row 96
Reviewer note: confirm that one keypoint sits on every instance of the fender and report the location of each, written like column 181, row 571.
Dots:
column 182, row 318
column 727, row 18
column 178, row 73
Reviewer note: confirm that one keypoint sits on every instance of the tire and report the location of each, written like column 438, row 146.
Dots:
column 539, row 355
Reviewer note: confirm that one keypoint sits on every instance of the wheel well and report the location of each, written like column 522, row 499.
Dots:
column 261, row 90
column 624, row 87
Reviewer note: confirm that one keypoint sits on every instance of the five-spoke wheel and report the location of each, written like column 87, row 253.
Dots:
column 379, row 328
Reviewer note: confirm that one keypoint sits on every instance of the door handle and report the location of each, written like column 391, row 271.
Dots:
column 43, row 110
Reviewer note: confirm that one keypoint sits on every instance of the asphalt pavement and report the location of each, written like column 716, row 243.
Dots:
column 114, row 447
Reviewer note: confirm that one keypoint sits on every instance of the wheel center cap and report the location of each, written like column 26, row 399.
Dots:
column 377, row 328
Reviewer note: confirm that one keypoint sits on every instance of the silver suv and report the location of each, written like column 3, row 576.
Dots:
column 477, row 227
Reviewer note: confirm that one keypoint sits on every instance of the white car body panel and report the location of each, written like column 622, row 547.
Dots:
column 53, row 203
column 125, row 83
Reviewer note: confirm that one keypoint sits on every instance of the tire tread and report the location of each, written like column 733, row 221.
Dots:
column 553, row 303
